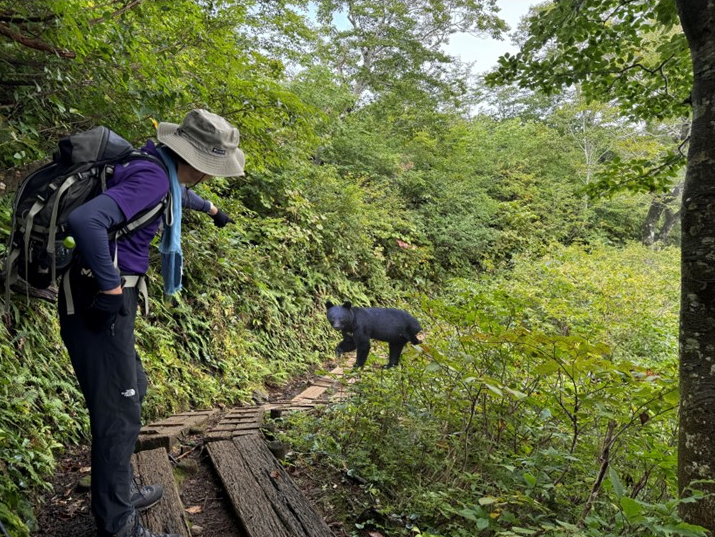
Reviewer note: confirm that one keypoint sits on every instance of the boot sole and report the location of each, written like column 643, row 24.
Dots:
column 148, row 506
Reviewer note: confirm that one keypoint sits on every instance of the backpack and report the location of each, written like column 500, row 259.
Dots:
column 40, row 247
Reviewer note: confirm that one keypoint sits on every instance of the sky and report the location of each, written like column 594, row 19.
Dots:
column 485, row 51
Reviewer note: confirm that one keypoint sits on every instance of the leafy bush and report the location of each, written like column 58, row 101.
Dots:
column 512, row 420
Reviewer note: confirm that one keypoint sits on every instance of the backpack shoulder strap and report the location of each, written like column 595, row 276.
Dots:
column 148, row 216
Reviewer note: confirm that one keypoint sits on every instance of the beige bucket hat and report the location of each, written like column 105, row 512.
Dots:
column 207, row 142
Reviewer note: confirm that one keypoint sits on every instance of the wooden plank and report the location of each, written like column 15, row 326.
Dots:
column 245, row 410
column 153, row 468
column 311, row 393
column 248, row 499
column 294, row 511
column 240, row 419
column 187, row 419
column 166, row 437
column 166, row 433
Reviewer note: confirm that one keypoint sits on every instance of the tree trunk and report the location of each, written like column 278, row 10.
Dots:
column 696, row 443
column 669, row 220
column 650, row 234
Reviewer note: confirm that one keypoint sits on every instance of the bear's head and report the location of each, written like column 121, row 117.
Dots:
column 339, row 317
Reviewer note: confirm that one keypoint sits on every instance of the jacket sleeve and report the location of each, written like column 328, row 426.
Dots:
column 193, row 201
column 89, row 224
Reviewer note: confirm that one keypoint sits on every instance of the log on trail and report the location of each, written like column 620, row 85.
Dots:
column 262, row 493
column 152, row 467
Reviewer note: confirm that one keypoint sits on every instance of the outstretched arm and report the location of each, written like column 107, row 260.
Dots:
column 193, row 201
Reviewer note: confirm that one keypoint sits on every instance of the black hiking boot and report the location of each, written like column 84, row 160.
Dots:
column 146, row 496
column 140, row 531
column 134, row 529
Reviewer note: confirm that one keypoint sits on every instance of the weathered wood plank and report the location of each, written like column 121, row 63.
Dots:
column 187, row 419
column 166, row 433
column 153, row 468
column 294, row 511
column 244, row 410
column 309, row 394
column 247, row 497
column 245, row 420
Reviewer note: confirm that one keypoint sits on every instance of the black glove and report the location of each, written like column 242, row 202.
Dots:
column 221, row 218
column 103, row 310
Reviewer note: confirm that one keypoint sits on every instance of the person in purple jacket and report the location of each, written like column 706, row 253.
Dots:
column 99, row 296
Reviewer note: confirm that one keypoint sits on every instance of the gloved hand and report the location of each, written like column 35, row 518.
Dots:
column 221, row 218
column 103, row 310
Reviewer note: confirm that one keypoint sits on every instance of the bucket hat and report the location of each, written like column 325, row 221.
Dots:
column 206, row 141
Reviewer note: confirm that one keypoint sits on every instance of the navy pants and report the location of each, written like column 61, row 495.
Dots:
column 113, row 382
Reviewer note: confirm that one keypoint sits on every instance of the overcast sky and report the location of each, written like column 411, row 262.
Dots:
column 485, row 51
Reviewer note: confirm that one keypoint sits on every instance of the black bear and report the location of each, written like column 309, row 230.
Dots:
column 360, row 325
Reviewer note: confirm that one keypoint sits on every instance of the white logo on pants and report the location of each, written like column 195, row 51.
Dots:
column 129, row 393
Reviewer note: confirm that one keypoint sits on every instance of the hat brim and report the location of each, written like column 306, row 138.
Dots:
column 232, row 165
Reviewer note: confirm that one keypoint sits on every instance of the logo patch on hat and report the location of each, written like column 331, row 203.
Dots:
column 218, row 151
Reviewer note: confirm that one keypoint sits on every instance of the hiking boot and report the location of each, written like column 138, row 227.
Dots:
column 132, row 528
column 144, row 497
column 140, row 531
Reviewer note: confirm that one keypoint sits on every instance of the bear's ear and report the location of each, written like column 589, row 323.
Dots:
column 328, row 305
column 347, row 305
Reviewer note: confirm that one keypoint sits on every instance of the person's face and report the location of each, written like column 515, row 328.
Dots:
column 189, row 176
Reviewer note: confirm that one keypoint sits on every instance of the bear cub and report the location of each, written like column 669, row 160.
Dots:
column 360, row 325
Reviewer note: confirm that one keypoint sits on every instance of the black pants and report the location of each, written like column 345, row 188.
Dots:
column 113, row 382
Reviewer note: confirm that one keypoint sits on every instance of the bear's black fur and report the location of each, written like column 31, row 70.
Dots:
column 360, row 325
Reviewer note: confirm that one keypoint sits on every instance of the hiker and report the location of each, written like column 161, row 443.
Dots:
column 98, row 302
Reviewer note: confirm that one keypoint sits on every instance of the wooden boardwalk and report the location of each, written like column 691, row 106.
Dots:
column 263, row 496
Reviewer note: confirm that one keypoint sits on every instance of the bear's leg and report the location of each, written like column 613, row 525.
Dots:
column 395, row 351
column 363, row 349
column 346, row 345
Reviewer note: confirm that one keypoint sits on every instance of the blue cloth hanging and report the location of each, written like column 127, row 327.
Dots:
column 172, row 260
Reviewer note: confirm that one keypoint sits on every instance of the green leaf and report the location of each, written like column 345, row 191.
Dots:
column 546, row 368
column 615, row 482
column 631, row 508
column 691, row 530
column 494, row 389
column 516, row 393
column 530, row 479
column 468, row 514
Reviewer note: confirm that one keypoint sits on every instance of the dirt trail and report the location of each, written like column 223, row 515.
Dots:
column 65, row 511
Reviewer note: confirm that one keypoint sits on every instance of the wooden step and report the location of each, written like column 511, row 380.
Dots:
column 166, row 433
column 315, row 394
column 263, row 495
column 237, row 422
column 152, row 467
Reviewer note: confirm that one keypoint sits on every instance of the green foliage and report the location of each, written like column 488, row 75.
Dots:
column 503, row 420
column 637, row 49
column 495, row 425
column 390, row 43
column 633, row 54
column 156, row 59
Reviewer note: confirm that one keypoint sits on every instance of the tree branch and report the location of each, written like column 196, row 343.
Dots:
column 119, row 12
column 34, row 43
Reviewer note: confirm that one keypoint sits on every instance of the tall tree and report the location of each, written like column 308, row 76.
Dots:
column 635, row 53
column 697, row 306
column 383, row 43
column 65, row 65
